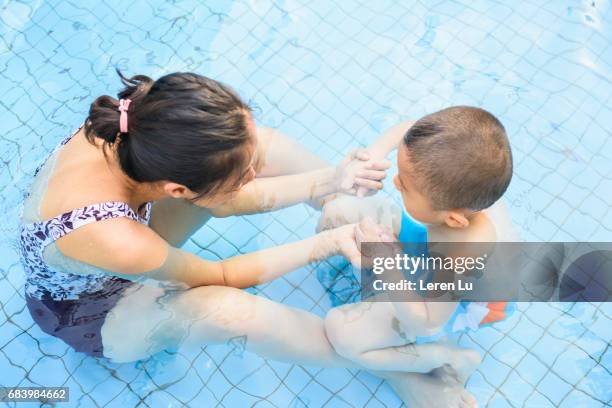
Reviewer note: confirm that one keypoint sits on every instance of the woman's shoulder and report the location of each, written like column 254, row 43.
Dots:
column 118, row 244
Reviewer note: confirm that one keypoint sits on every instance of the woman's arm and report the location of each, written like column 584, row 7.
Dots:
column 272, row 193
column 134, row 250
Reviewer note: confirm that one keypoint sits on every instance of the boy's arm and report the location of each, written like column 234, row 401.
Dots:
column 384, row 145
column 389, row 140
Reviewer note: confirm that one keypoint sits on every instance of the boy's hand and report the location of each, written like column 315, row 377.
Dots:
column 372, row 157
column 358, row 173
column 369, row 231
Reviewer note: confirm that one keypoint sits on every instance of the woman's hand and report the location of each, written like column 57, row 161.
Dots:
column 342, row 241
column 358, row 174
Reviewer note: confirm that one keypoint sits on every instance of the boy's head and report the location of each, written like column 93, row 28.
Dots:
column 453, row 163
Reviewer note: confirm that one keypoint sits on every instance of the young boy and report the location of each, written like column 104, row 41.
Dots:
column 452, row 165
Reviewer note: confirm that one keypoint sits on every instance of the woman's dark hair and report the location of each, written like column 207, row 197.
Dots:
column 184, row 128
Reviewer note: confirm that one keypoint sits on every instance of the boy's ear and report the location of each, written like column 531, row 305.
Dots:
column 456, row 219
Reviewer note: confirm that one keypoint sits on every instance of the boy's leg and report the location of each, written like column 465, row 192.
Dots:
column 370, row 334
column 349, row 210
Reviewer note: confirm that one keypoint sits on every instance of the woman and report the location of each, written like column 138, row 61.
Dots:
column 111, row 206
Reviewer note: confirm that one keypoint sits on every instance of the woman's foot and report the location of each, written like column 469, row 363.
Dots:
column 435, row 390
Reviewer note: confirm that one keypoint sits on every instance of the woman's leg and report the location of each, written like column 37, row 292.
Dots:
column 148, row 320
column 279, row 155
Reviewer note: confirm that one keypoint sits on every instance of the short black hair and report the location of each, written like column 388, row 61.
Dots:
column 460, row 157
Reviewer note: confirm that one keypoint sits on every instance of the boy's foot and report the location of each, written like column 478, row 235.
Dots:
column 462, row 364
column 437, row 390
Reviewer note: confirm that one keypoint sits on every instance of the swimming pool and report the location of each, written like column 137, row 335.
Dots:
column 332, row 75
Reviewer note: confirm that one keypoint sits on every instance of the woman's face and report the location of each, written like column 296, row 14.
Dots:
column 230, row 187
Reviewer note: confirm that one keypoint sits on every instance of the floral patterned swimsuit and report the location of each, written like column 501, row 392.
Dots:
column 72, row 306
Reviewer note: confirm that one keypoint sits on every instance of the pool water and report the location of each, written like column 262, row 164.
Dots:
column 333, row 75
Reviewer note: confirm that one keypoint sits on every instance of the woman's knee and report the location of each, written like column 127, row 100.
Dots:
column 229, row 312
column 339, row 334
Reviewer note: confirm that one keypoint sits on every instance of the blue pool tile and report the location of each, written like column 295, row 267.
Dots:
column 20, row 352
column 480, row 386
column 277, row 289
column 500, row 401
column 553, row 387
column 8, row 332
column 549, row 348
column 220, row 249
column 516, row 389
column 23, row 318
column 601, row 328
column 532, row 369
column 107, row 390
column 335, row 379
column 277, row 232
column 281, row 396
column 205, row 366
column 186, row 388
column 338, row 402
column 466, row 341
column 297, row 379
column 542, row 314
column 90, row 374
column 299, row 299
column 496, row 372
column 487, row 337
column 579, row 399
column 294, row 217
column 84, row 400
column 567, row 327
column 49, row 372
column 526, row 332
column 125, row 398
column 48, row 344
column 239, row 398
column 387, row 396
column 168, row 368
column 314, row 395
column 12, row 374
column 597, row 383
column 160, row 398
column 240, row 233
column 259, row 384
column 355, row 392
column 508, row 351
column 218, row 385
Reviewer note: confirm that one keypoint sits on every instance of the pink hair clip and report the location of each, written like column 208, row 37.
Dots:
column 123, row 119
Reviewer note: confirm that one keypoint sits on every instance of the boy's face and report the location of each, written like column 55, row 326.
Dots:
column 416, row 203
